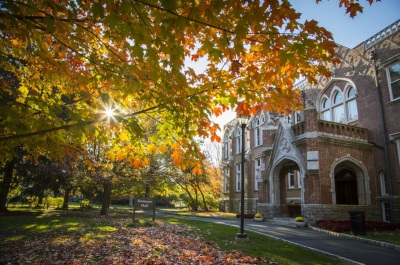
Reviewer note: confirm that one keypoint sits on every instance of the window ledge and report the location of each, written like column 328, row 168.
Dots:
column 395, row 101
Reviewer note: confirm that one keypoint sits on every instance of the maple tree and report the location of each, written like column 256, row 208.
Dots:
column 76, row 71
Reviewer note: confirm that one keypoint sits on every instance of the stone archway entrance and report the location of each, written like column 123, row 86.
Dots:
column 350, row 182
column 287, row 189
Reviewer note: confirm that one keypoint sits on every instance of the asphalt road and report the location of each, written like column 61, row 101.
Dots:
column 349, row 249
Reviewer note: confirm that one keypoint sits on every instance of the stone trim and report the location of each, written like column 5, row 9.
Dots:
column 334, row 140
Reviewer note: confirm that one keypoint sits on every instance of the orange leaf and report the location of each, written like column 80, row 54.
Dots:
column 197, row 171
column 215, row 137
column 120, row 156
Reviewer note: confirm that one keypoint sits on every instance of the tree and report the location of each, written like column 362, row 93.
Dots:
column 76, row 61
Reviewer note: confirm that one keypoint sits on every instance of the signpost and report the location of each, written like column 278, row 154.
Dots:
column 145, row 203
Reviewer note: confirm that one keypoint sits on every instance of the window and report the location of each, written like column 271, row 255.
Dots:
column 337, row 108
column 290, row 177
column 343, row 108
column 297, row 116
column 238, row 177
column 226, row 180
column 289, row 119
column 326, row 112
column 351, row 104
column 393, row 75
column 226, row 146
column 257, row 172
column 384, row 185
column 386, row 211
column 238, row 141
column 257, row 133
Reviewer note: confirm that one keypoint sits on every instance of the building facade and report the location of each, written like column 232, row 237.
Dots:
column 340, row 153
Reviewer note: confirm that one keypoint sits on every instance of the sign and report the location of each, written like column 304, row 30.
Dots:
column 144, row 204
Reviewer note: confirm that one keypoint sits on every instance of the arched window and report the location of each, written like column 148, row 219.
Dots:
column 238, row 140
column 257, row 172
column 384, row 184
column 238, row 177
column 226, row 180
column 226, row 145
column 337, row 107
column 351, row 104
column 341, row 107
column 325, row 110
column 257, row 132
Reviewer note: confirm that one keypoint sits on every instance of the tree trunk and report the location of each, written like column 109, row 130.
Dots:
column 66, row 199
column 5, row 184
column 204, row 199
column 192, row 200
column 106, row 198
column 197, row 199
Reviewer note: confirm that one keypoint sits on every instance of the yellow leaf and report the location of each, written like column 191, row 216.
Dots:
column 145, row 162
column 111, row 156
column 124, row 136
column 151, row 149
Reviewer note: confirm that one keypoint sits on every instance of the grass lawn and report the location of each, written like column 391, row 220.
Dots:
column 392, row 236
column 273, row 251
column 77, row 237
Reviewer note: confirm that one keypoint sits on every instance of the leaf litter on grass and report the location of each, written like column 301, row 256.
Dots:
column 162, row 243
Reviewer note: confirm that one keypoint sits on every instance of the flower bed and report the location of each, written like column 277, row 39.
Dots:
column 246, row 216
column 345, row 225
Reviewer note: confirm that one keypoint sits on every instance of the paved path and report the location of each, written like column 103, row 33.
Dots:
column 345, row 248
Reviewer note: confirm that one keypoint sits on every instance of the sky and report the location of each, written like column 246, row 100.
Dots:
column 346, row 31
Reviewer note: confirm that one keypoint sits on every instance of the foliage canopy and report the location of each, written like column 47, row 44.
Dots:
column 66, row 64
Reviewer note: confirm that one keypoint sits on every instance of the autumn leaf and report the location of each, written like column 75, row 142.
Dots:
column 353, row 9
column 68, row 61
column 197, row 171
column 151, row 149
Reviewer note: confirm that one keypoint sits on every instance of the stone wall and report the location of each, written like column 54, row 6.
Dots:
column 314, row 212
column 232, row 206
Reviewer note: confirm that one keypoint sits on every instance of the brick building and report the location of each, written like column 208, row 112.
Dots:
column 340, row 154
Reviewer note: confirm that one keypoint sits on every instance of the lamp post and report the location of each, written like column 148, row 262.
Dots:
column 242, row 237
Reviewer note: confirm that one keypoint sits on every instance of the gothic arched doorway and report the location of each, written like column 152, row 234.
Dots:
column 350, row 182
column 346, row 187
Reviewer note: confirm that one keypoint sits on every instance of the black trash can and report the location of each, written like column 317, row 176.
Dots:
column 357, row 220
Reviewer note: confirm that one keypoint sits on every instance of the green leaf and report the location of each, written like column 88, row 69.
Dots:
column 97, row 10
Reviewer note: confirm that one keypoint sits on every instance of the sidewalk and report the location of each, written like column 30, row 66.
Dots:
column 346, row 248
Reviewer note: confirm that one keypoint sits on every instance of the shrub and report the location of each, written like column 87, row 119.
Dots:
column 299, row 219
column 85, row 204
column 345, row 225
column 59, row 202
